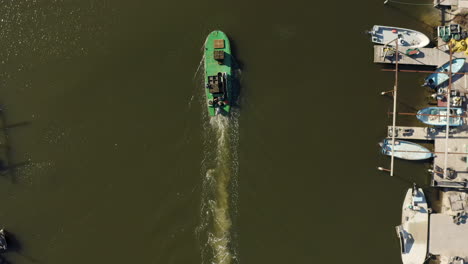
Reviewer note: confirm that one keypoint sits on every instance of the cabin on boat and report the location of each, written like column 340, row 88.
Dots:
column 217, row 84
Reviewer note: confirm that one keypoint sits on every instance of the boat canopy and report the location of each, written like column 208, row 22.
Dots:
column 217, row 84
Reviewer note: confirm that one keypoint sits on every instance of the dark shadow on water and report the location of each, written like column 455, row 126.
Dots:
column 13, row 242
column 7, row 165
column 3, row 260
column 403, row 10
column 15, row 125
column 12, row 167
column 237, row 64
column 400, row 103
column 409, row 67
column 237, row 67
column 14, row 245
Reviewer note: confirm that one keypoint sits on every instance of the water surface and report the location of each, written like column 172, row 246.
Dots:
column 112, row 159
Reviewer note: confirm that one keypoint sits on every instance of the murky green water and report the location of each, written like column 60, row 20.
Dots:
column 113, row 160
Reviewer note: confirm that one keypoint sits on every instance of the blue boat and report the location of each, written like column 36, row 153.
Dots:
column 405, row 150
column 436, row 79
column 437, row 116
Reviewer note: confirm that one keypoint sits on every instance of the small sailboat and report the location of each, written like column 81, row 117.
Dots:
column 407, row 38
column 437, row 116
column 436, row 79
column 405, row 150
column 218, row 73
column 413, row 232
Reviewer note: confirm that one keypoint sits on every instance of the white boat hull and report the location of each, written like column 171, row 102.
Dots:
column 407, row 38
column 414, row 228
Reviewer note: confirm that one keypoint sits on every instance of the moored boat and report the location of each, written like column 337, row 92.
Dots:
column 407, row 38
column 437, row 116
column 218, row 73
column 414, row 228
column 436, row 79
column 405, row 150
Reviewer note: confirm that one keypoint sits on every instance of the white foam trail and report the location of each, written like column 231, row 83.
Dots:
column 200, row 65
column 219, row 190
column 220, row 238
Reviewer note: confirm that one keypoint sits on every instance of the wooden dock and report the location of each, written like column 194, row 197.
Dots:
column 457, row 147
column 456, row 162
column 415, row 133
column 426, row 133
column 427, row 57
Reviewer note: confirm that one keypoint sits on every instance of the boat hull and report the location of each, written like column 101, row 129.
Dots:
column 414, row 228
column 436, row 116
column 218, row 98
column 436, row 79
column 405, row 150
column 407, row 38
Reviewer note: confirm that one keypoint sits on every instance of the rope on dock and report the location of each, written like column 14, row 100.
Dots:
column 405, row 3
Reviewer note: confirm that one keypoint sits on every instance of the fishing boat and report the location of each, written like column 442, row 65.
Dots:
column 405, row 150
column 218, row 73
column 414, row 228
column 407, row 38
column 436, row 79
column 437, row 116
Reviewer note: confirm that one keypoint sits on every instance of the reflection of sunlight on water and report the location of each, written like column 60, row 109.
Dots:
column 31, row 172
column 219, row 190
column 48, row 30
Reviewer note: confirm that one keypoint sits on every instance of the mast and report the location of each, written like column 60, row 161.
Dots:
column 395, row 93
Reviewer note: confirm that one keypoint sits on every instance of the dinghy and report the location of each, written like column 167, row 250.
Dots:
column 436, row 79
column 407, row 38
column 414, row 228
column 437, row 116
column 405, row 150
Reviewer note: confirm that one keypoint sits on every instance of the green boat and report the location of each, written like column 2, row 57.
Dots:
column 218, row 73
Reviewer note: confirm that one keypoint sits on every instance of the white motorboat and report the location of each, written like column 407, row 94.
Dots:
column 407, row 38
column 414, row 228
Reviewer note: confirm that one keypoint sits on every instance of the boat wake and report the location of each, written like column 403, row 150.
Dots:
column 219, row 192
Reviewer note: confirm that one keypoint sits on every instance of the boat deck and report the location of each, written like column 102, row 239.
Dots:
column 426, row 57
column 426, row 133
column 446, row 3
column 415, row 133
column 447, row 238
column 415, row 228
column 457, row 143
column 456, row 162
